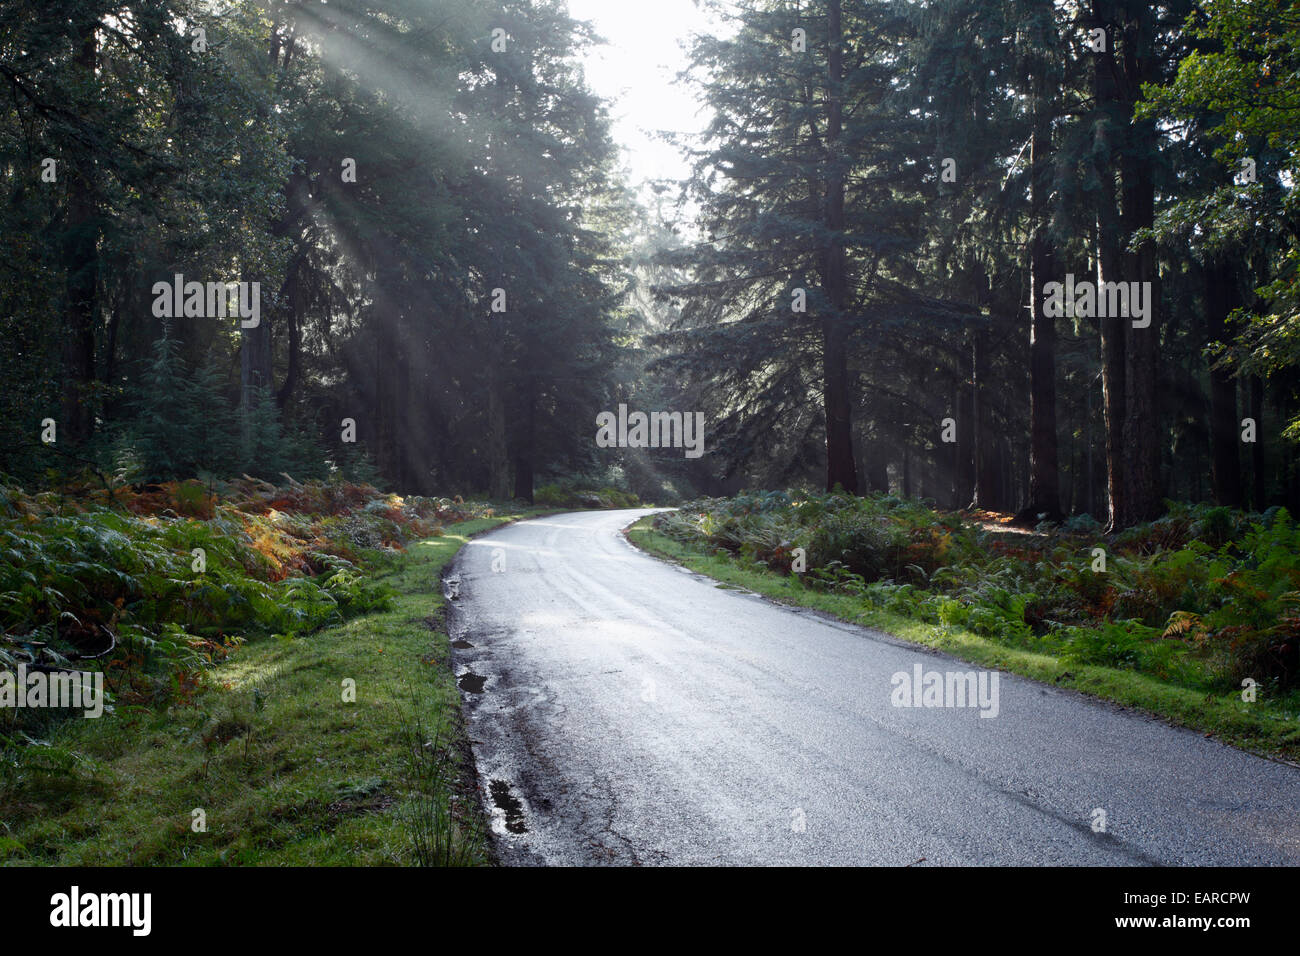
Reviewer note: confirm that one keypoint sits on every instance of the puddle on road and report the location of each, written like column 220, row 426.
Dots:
column 471, row 682
column 508, row 804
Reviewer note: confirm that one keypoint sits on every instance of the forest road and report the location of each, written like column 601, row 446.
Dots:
column 623, row 710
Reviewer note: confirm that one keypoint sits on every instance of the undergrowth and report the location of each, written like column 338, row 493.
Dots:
column 1206, row 597
column 152, row 587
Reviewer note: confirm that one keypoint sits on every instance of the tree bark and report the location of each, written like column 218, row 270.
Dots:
column 1113, row 329
column 877, row 466
column 985, row 494
column 1142, row 409
column 1044, row 464
column 525, row 443
column 963, row 465
column 496, row 454
column 81, row 271
column 285, row 392
column 841, row 468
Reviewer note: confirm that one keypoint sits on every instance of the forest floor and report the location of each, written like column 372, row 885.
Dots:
column 269, row 763
column 999, row 522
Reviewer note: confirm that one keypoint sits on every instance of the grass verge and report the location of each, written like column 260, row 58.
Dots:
column 270, row 758
column 1259, row 726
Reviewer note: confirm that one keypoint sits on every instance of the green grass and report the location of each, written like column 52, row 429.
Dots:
column 1258, row 726
column 286, row 772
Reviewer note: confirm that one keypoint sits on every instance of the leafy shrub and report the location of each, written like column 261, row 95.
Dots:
column 110, row 580
column 1111, row 644
column 560, row 496
column 1205, row 596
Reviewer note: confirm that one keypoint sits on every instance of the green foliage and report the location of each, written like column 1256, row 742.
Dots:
column 1205, row 596
column 181, row 424
column 476, row 171
column 568, row 496
column 120, row 588
column 1239, row 86
column 389, row 787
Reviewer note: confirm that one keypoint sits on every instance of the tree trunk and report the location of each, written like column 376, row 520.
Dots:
column 290, row 291
column 877, row 466
column 1044, row 466
column 963, row 464
column 1113, row 329
column 986, row 476
column 81, row 271
column 382, row 440
column 497, row 457
column 840, row 466
column 525, row 444
column 1141, row 499
column 1142, row 410
column 255, row 361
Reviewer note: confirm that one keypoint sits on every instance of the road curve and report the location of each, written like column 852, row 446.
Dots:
column 625, row 711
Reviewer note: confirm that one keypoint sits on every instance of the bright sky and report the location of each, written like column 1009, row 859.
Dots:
column 636, row 70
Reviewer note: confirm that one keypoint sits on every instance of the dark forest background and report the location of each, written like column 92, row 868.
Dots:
column 913, row 172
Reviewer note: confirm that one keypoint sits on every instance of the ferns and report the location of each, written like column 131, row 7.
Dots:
column 568, row 496
column 77, row 576
column 1206, row 594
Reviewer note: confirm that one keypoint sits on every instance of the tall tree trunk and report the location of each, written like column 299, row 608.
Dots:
column 1142, row 410
column 110, row 338
column 383, row 438
column 290, row 292
column 963, row 465
column 255, row 362
column 985, row 494
column 1141, row 435
column 1044, row 464
column 1220, row 300
column 877, row 466
column 1109, row 129
column 525, row 443
column 1290, row 497
column 81, row 271
column 840, row 466
column 404, row 471
column 497, row 456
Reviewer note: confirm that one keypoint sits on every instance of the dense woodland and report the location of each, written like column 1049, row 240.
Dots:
column 922, row 172
column 379, row 169
column 850, row 286
column 296, row 296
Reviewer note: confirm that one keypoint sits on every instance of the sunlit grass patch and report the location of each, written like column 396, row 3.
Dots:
column 284, row 771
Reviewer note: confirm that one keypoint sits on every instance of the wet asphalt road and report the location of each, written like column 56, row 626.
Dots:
column 631, row 712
